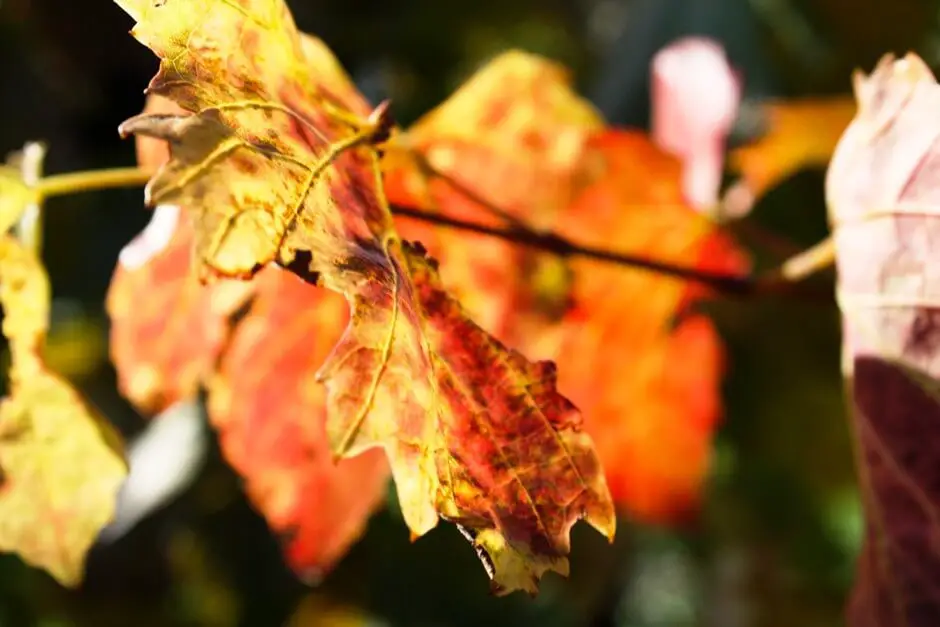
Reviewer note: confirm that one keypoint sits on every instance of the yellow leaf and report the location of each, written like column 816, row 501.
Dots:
column 801, row 133
column 61, row 463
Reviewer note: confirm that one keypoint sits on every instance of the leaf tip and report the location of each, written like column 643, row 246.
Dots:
column 382, row 122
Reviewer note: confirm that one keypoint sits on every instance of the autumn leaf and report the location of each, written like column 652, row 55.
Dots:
column 282, row 143
column 171, row 335
column 271, row 416
column 519, row 110
column 498, row 450
column 881, row 192
column 62, row 464
column 800, row 134
column 512, row 137
column 167, row 328
column 651, row 393
column 276, row 167
column 648, row 383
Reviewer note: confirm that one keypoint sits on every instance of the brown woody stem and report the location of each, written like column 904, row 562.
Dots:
column 728, row 284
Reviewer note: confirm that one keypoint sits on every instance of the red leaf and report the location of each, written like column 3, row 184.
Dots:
column 271, row 413
column 170, row 335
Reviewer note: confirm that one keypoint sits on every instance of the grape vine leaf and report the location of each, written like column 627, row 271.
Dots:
column 171, row 335
column 167, row 328
column 653, row 415
column 882, row 194
column 62, row 464
column 271, row 416
column 275, row 167
column 519, row 112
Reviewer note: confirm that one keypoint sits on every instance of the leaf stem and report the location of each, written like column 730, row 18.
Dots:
column 91, row 180
column 812, row 260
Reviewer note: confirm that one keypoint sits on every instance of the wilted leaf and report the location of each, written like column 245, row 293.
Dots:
column 276, row 167
column 61, row 462
column 270, row 413
column 883, row 201
column 800, row 134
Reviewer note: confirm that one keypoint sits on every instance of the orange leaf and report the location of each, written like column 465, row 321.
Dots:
column 267, row 407
column 650, row 392
column 518, row 110
column 800, row 134
column 650, row 402
column 270, row 413
column 512, row 136
column 276, row 167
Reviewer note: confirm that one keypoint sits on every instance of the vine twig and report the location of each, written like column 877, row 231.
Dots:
column 737, row 285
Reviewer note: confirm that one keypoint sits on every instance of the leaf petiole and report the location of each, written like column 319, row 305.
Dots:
column 91, row 180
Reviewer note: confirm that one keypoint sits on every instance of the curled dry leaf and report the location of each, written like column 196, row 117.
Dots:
column 62, row 464
column 276, row 166
column 882, row 192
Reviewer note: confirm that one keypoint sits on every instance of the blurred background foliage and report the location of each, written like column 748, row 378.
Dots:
column 775, row 545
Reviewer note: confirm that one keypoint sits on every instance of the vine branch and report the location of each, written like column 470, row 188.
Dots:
column 732, row 285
